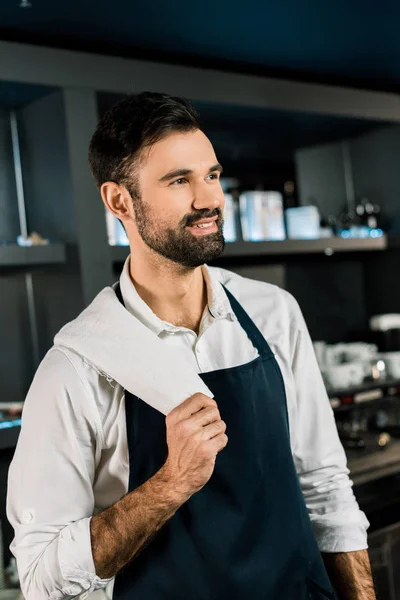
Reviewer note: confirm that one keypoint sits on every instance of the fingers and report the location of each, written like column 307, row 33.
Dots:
column 191, row 406
column 218, row 443
column 214, row 429
column 205, row 416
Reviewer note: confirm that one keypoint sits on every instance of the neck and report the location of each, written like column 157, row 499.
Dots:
column 176, row 294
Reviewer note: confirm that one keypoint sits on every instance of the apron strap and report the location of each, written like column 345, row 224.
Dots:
column 119, row 294
column 253, row 333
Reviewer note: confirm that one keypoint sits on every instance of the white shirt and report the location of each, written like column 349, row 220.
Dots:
column 71, row 459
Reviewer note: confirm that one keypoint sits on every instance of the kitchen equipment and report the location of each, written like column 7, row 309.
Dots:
column 345, row 353
column 368, row 214
column 392, row 361
column 230, row 234
column 344, row 375
column 352, row 441
column 303, row 222
column 385, row 332
column 375, row 369
column 261, row 215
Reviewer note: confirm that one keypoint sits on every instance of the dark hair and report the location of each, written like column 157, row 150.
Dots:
column 134, row 123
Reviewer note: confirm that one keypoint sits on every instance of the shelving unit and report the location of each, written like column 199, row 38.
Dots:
column 326, row 246
column 267, row 121
column 388, row 386
column 28, row 256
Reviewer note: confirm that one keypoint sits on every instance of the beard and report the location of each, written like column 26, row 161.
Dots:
column 180, row 245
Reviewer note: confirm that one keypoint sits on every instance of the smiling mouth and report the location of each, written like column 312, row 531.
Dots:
column 203, row 225
column 204, row 228
column 204, row 222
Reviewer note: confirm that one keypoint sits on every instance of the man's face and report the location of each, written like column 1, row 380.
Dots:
column 179, row 213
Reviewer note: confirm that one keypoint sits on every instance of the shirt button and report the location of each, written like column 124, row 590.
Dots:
column 27, row 516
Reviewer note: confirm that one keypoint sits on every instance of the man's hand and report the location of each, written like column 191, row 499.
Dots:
column 195, row 435
column 350, row 574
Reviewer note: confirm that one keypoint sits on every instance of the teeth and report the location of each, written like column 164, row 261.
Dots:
column 205, row 225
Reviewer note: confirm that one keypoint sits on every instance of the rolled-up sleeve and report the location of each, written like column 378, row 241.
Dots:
column 50, row 497
column 338, row 522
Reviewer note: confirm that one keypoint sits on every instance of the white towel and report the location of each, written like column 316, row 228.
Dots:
column 107, row 336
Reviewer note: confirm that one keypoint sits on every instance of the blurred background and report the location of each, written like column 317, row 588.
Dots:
column 301, row 102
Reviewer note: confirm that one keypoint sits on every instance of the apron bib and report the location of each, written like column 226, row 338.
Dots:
column 246, row 535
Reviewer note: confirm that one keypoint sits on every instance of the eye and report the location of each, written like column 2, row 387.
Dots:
column 178, row 182
column 213, row 176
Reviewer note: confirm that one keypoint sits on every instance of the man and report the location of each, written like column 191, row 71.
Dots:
column 242, row 491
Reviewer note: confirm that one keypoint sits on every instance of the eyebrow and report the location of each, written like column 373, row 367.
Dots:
column 183, row 172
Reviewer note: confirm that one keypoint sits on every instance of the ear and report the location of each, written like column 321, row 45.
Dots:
column 117, row 200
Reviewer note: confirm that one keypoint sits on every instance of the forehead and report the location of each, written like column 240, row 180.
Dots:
column 191, row 150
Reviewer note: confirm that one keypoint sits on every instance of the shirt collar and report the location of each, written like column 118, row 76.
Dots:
column 218, row 303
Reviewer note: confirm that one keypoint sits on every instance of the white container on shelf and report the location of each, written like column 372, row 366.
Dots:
column 261, row 216
column 345, row 375
column 392, row 362
column 115, row 232
column 230, row 234
column 385, row 322
column 303, row 223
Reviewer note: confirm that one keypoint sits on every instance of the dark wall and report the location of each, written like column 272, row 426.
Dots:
column 9, row 223
column 45, row 166
column 375, row 161
column 331, row 294
column 58, row 297
column 382, row 282
column 320, row 177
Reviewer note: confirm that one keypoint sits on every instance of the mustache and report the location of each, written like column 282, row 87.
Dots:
column 201, row 214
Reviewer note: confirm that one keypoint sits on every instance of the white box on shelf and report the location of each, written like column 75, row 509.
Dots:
column 261, row 216
column 303, row 223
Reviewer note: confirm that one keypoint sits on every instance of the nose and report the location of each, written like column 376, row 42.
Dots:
column 207, row 196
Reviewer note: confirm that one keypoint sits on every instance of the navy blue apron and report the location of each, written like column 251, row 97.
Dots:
column 246, row 535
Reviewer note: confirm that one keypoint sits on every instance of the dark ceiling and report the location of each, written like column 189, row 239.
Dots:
column 345, row 41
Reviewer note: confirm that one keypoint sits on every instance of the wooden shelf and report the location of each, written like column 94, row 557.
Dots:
column 326, row 246
column 321, row 246
column 386, row 385
column 26, row 256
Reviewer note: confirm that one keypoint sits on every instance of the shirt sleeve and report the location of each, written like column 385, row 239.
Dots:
column 50, row 498
column 338, row 522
